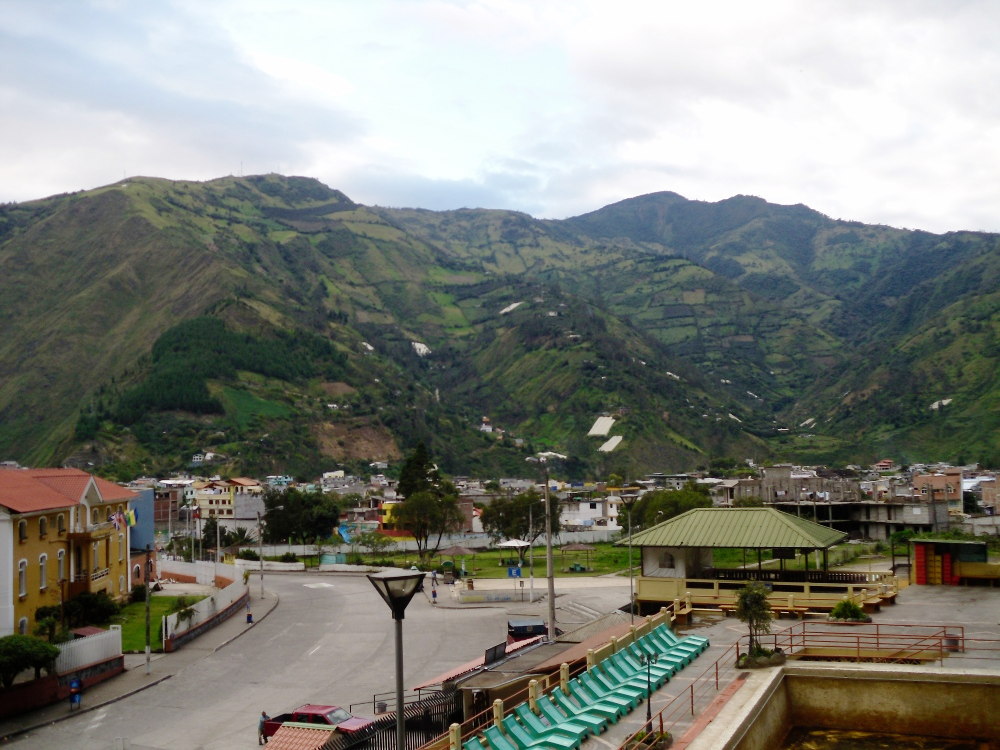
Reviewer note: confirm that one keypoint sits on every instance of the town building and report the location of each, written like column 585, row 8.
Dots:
column 62, row 532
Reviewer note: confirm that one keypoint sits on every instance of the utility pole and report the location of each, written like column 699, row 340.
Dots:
column 260, row 552
column 148, row 565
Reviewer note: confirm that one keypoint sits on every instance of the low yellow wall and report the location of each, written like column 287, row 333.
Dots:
column 716, row 593
column 875, row 698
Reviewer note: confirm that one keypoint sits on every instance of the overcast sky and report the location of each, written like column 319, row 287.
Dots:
column 882, row 112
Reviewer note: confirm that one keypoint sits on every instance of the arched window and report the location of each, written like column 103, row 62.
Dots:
column 22, row 530
column 121, row 584
column 95, row 515
column 61, row 524
column 22, row 578
column 22, row 626
column 61, row 564
column 43, row 527
column 43, row 572
column 121, row 547
column 137, row 573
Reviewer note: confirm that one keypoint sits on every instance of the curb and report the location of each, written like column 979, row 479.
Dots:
column 277, row 601
column 88, row 709
column 129, row 693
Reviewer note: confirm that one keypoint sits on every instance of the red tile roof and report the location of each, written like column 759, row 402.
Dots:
column 297, row 737
column 29, row 490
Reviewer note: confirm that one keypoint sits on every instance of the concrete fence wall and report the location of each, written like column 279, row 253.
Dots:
column 473, row 541
column 206, row 614
column 254, row 566
column 201, row 572
column 94, row 648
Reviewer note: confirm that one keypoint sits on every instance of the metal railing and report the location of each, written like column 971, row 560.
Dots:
column 424, row 720
column 883, row 642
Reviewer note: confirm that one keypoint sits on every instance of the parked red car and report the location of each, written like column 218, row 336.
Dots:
column 331, row 716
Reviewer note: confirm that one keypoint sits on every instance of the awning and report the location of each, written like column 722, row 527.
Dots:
column 451, row 674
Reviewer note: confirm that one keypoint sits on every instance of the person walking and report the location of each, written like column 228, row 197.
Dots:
column 261, row 739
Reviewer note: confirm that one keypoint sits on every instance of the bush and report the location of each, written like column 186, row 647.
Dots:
column 138, row 593
column 248, row 554
column 20, row 652
column 90, row 609
column 288, row 557
column 848, row 610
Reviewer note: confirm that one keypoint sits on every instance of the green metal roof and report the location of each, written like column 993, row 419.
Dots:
column 747, row 528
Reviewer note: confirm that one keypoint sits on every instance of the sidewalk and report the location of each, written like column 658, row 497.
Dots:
column 135, row 679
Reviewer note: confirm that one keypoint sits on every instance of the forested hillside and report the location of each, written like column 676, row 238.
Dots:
column 276, row 323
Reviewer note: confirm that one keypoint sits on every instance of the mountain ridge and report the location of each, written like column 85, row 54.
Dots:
column 764, row 314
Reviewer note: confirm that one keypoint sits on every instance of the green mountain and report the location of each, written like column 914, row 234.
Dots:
column 272, row 321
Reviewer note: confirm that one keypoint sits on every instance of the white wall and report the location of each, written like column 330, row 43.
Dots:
column 6, row 574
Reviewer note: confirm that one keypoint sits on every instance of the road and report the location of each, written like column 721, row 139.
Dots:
column 331, row 640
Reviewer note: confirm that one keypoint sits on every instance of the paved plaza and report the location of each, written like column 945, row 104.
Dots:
column 327, row 638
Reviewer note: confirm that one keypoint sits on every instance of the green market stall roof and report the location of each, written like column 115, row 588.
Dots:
column 746, row 528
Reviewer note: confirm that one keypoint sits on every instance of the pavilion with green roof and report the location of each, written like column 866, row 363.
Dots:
column 677, row 561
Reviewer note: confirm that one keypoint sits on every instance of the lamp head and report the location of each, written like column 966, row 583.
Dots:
column 397, row 589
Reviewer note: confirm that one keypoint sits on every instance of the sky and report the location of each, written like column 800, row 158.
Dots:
column 882, row 112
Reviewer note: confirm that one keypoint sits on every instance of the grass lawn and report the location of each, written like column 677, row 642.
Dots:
column 605, row 559
column 132, row 618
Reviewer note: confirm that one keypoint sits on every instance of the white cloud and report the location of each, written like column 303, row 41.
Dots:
column 874, row 112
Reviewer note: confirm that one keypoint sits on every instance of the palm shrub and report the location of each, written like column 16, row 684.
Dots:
column 846, row 609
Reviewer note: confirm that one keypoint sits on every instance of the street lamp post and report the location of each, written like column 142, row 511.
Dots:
column 542, row 458
column 549, row 566
column 649, row 659
column 397, row 589
column 631, row 585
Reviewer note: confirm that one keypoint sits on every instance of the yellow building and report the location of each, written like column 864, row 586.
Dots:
column 62, row 532
column 214, row 498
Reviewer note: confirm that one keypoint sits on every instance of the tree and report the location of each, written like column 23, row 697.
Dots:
column 208, row 534
column 21, row 652
column 518, row 517
column 294, row 514
column 418, row 473
column 428, row 513
column 660, row 505
column 753, row 609
column 322, row 519
column 376, row 544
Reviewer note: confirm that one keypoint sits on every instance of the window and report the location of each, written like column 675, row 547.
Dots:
column 43, row 527
column 22, row 626
column 593, row 506
column 22, row 578
column 43, row 571
column 121, row 584
column 61, row 524
column 22, row 530
column 121, row 547
column 137, row 573
column 95, row 516
column 61, row 564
